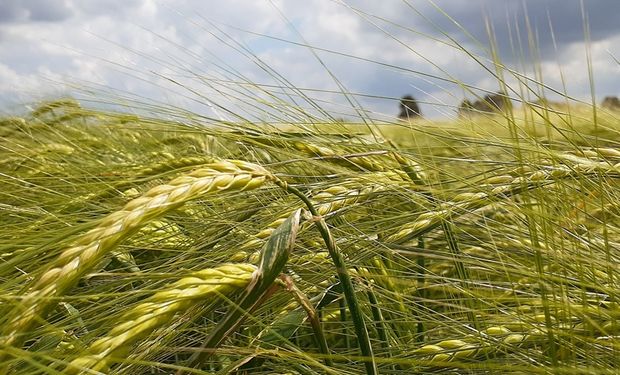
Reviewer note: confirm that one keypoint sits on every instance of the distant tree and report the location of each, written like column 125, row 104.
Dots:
column 495, row 102
column 409, row 108
column 492, row 103
column 611, row 102
column 466, row 108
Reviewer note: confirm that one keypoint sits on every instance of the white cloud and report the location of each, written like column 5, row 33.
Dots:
column 18, row 89
column 139, row 46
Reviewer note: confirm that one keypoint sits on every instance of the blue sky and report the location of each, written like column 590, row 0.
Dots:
column 251, row 58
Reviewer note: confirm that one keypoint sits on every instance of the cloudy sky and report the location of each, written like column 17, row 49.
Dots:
column 266, row 59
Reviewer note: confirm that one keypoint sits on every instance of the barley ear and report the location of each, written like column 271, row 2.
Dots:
column 74, row 262
column 159, row 310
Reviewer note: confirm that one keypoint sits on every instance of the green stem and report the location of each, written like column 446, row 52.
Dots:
column 378, row 318
column 460, row 269
column 313, row 318
column 448, row 231
column 342, row 304
column 345, row 279
column 421, row 291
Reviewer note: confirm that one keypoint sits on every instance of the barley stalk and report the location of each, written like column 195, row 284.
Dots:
column 328, row 201
column 467, row 202
column 159, row 309
column 508, row 337
column 153, row 170
column 498, row 338
column 345, row 279
column 359, row 162
column 88, row 249
column 334, row 198
column 598, row 152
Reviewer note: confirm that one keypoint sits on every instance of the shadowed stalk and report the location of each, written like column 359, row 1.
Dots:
column 421, row 290
column 313, row 318
column 378, row 319
column 451, row 239
column 544, row 293
column 461, row 271
column 342, row 316
column 286, row 326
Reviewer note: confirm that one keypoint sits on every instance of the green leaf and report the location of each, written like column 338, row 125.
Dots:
column 273, row 258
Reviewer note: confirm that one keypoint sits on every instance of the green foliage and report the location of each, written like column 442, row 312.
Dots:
column 467, row 253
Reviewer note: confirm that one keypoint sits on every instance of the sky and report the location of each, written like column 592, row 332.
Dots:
column 277, row 60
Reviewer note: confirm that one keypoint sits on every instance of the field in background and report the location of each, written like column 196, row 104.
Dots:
column 484, row 245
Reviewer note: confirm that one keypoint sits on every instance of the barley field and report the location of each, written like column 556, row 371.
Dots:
column 149, row 239
column 135, row 245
